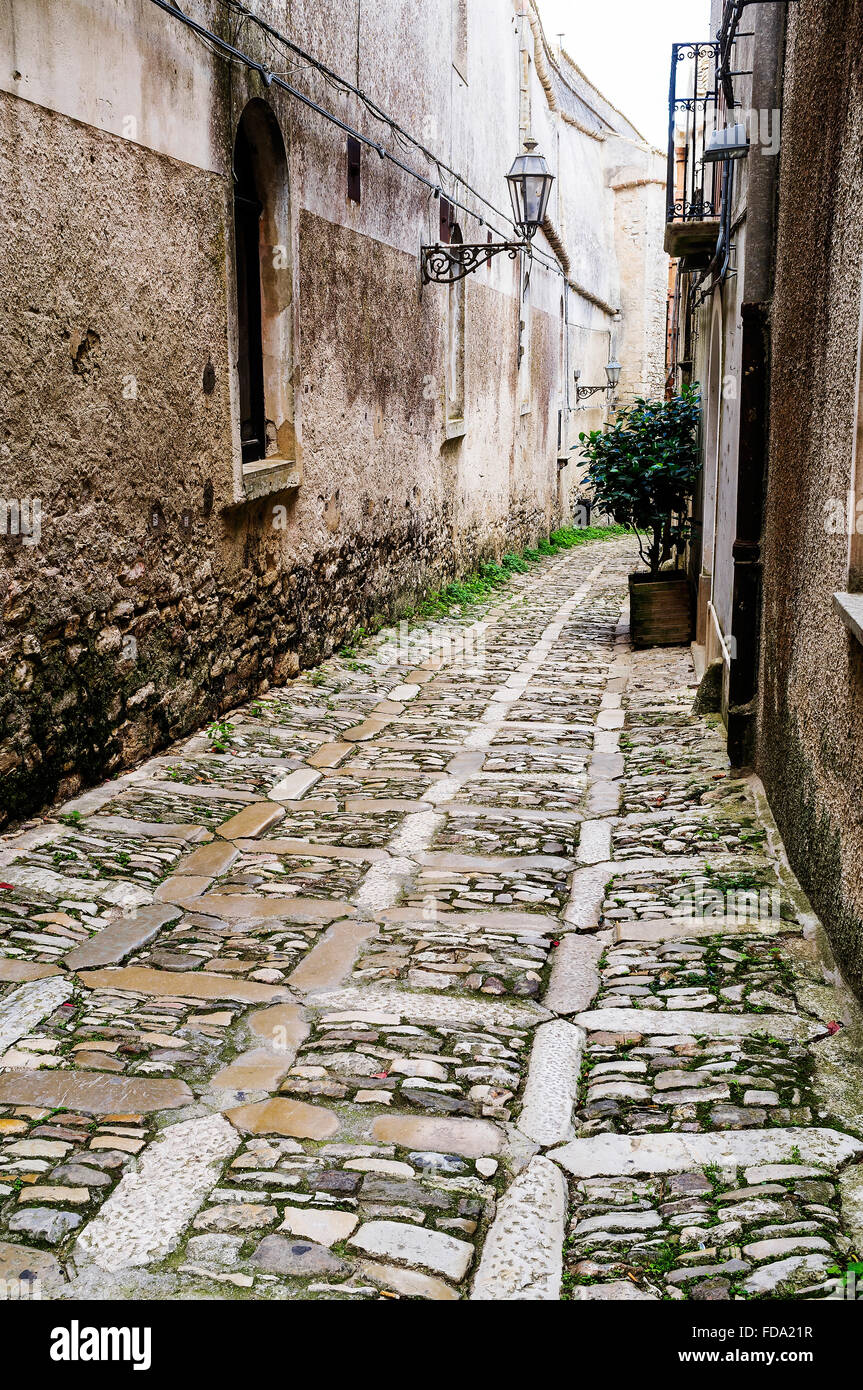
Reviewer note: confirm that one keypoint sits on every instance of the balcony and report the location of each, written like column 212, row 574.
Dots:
column 692, row 215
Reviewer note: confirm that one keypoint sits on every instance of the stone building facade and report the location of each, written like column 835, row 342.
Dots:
column 776, row 345
column 236, row 424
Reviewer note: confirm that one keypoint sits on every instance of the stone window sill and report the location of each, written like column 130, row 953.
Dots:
column 269, row 475
column 455, row 429
column 850, row 610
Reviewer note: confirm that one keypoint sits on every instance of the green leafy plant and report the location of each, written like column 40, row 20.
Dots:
column 643, row 469
column 219, row 734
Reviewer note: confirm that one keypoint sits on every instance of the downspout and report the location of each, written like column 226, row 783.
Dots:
column 718, row 268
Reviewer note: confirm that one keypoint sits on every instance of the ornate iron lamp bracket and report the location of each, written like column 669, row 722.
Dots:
column 585, row 391
column 446, row 264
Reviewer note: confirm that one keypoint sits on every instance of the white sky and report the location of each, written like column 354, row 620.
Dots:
column 624, row 46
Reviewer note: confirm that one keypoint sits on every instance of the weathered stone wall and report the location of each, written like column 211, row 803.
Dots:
column 639, row 189
column 160, row 592
column 811, row 684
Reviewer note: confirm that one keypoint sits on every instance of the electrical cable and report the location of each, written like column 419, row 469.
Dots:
column 343, row 85
column 274, row 79
column 270, row 78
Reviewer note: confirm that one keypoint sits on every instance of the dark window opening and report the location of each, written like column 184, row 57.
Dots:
column 247, row 215
column 354, row 168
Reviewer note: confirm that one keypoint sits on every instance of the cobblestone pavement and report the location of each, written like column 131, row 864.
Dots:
column 461, row 971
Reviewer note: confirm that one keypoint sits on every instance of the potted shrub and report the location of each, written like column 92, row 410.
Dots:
column 643, row 470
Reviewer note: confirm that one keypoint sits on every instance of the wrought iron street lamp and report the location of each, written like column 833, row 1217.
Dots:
column 530, row 183
column 612, row 373
column 529, row 190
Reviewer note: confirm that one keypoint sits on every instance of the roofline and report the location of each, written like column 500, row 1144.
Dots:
column 583, row 75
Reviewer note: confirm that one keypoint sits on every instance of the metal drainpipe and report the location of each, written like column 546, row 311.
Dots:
column 718, row 267
column 566, row 352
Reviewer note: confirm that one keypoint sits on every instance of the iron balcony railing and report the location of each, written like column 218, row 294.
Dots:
column 693, row 99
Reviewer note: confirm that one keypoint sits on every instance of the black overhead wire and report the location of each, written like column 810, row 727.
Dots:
column 223, row 47
column 345, row 87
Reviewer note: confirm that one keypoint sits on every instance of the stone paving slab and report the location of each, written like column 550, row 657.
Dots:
column 620, row 1155
column 331, row 959
column 59, row 886
column 198, row 985
column 242, row 906
column 95, row 1093
column 23, row 1264
column 473, row 1138
column 292, row 1118
column 669, row 928
column 28, row 1005
column 120, row 938
column 574, row 976
column 427, row 1008
column 703, row 1023
column 18, row 971
column 551, row 1089
column 442, row 1254
column 521, row 1258
column 144, row 1217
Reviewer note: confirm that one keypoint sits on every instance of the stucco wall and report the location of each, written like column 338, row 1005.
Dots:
column 639, row 207
column 118, row 325
column 718, row 337
column 811, row 710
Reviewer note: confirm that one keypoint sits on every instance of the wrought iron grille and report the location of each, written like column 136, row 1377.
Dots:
column 693, row 187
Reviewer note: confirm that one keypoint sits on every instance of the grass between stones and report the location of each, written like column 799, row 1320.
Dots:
column 489, row 576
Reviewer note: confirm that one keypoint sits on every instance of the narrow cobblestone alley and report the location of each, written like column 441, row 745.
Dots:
column 461, row 971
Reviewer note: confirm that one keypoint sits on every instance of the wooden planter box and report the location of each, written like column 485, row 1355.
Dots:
column 660, row 609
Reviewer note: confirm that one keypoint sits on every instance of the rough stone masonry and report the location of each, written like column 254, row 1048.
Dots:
column 441, row 976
